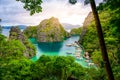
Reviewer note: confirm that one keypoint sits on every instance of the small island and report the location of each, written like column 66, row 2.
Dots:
column 49, row 30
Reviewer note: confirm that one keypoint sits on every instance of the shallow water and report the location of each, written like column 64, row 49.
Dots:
column 57, row 49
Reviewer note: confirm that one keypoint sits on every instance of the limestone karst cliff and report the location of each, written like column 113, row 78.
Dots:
column 86, row 23
column 50, row 30
column 31, row 31
column 16, row 34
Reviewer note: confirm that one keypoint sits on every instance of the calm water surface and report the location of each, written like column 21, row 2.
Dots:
column 53, row 49
column 57, row 49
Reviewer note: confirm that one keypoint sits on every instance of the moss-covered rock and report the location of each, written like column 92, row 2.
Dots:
column 50, row 30
column 16, row 34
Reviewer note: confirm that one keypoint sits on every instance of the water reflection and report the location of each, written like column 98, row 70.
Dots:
column 50, row 46
column 54, row 48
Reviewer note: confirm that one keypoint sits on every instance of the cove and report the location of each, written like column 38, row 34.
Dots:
column 57, row 49
column 54, row 49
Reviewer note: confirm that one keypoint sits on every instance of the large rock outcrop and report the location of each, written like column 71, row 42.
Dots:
column 86, row 23
column 50, row 30
column 16, row 34
column 31, row 31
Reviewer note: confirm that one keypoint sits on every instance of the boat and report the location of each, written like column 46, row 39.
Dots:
column 68, row 53
column 79, row 58
column 69, row 45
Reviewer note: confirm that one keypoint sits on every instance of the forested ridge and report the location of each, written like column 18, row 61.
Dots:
column 109, row 18
column 76, row 31
column 15, row 66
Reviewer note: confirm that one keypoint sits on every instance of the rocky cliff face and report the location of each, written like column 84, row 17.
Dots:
column 50, row 30
column 86, row 23
column 16, row 34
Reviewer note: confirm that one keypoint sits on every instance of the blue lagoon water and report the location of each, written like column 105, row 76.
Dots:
column 57, row 49
column 53, row 49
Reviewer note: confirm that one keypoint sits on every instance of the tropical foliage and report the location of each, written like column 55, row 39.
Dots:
column 16, row 34
column 15, row 66
column 76, row 31
column 31, row 32
column 110, row 19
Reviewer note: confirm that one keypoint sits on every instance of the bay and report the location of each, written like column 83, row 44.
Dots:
column 53, row 48
column 57, row 49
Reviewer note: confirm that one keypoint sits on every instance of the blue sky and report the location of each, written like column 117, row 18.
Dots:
column 12, row 12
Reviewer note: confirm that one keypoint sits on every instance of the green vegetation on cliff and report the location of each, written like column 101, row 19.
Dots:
column 46, row 68
column 76, row 31
column 14, row 65
column 16, row 34
column 50, row 30
column 110, row 19
column 10, row 48
column 31, row 31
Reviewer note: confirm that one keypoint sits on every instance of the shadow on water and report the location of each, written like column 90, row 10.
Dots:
column 54, row 48
column 50, row 46
column 58, row 49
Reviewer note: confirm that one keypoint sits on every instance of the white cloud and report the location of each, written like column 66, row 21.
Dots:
column 14, row 14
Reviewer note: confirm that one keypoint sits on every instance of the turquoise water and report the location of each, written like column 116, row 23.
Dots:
column 54, row 49
column 57, row 49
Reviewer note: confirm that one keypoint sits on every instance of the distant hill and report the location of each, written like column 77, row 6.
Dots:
column 20, row 26
column 68, row 26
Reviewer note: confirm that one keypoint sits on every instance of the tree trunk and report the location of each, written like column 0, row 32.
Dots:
column 102, row 42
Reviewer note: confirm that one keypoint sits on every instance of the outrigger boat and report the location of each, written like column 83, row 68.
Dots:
column 69, row 45
column 68, row 53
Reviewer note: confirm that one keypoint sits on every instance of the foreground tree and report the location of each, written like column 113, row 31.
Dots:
column 101, row 41
column 34, row 6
